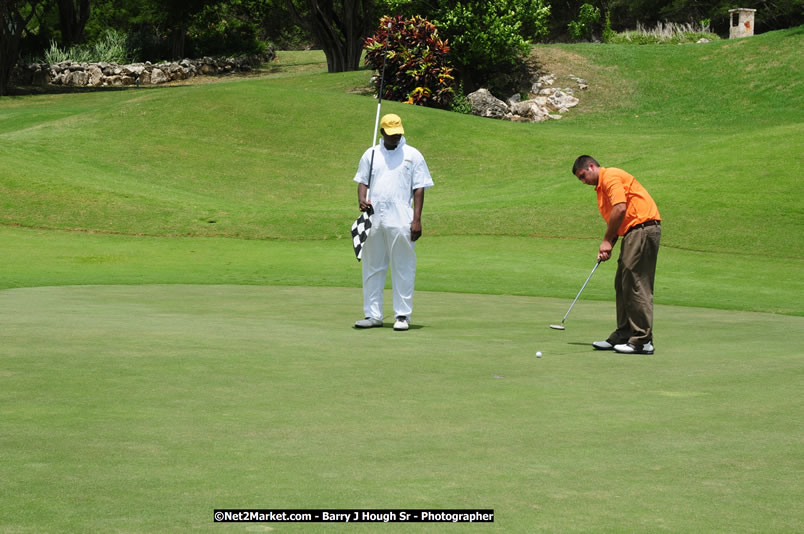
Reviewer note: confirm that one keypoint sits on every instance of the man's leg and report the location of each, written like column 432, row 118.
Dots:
column 639, row 255
column 623, row 331
column 403, row 270
column 375, row 268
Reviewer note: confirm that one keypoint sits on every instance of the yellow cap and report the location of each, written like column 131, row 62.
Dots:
column 392, row 124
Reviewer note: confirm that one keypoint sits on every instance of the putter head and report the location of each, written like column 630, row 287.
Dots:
column 557, row 326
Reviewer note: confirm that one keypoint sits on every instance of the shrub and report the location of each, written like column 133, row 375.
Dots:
column 461, row 104
column 490, row 38
column 608, row 34
column 663, row 33
column 416, row 70
column 219, row 30
column 582, row 28
column 114, row 47
column 111, row 47
column 54, row 54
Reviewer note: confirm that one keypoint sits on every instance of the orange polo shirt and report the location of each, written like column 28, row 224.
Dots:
column 615, row 186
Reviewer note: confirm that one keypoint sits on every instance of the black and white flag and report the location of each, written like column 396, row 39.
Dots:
column 360, row 232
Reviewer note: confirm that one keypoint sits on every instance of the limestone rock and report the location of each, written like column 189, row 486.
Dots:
column 484, row 104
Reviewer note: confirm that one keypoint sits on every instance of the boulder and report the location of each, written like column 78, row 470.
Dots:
column 484, row 104
column 95, row 76
column 133, row 70
column 158, row 76
column 207, row 68
column 76, row 77
column 561, row 101
column 532, row 110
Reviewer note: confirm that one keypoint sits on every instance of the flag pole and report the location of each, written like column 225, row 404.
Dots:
column 379, row 105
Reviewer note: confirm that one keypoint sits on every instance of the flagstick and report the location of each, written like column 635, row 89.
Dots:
column 377, row 118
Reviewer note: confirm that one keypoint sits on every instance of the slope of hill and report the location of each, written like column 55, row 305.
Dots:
column 711, row 130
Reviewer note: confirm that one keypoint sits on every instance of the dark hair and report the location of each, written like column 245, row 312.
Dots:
column 583, row 162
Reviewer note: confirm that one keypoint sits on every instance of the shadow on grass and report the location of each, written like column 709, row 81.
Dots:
column 390, row 326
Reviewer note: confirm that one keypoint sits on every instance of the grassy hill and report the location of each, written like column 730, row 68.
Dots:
column 710, row 129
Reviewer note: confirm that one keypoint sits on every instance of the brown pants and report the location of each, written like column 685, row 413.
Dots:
column 636, row 271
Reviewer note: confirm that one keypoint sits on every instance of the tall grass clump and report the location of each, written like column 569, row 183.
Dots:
column 112, row 47
column 664, row 33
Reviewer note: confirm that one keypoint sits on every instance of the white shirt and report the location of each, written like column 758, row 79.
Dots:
column 395, row 175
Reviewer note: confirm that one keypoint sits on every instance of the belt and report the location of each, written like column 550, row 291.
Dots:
column 645, row 224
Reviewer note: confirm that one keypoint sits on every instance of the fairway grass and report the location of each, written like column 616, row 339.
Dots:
column 480, row 264
column 141, row 409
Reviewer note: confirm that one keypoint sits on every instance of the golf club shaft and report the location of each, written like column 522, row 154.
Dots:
column 581, row 291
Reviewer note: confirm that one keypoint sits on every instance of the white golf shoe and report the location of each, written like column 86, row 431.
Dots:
column 603, row 345
column 628, row 348
column 401, row 323
column 368, row 322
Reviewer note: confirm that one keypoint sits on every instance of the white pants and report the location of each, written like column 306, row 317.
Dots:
column 388, row 245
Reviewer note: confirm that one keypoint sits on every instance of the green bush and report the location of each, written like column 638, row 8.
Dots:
column 583, row 28
column 461, row 104
column 663, row 33
column 111, row 47
column 417, row 70
column 608, row 33
column 114, row 47
column 489, row 39
column 220, row 31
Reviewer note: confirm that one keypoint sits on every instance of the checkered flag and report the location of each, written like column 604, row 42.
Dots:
column 360, row 232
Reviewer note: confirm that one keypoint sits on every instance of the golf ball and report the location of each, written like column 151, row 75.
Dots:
column 538, row 354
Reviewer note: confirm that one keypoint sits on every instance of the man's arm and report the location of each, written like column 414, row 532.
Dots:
column 362, row 201
column 616, row 219
column 416, row 225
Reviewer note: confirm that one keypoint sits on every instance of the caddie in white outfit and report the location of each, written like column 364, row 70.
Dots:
column 399, row 176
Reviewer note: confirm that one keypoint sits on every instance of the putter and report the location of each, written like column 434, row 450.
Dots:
column 561, row 326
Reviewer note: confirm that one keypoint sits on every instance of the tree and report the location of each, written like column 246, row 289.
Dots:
column 584, row 26
column 73, row 17
column 179, row 14
column 338, row 26
column 487, row 38
column 15, row 15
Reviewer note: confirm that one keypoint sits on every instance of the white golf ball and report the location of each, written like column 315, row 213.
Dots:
column 538, row 354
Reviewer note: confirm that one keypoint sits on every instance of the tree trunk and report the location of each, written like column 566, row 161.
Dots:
column 72, row 20
column 12, row 26
column 177, row 42
column 338, row 29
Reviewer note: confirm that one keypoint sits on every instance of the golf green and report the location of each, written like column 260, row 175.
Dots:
column 143, row 408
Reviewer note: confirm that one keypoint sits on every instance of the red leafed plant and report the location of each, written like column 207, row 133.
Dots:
column 417, row 70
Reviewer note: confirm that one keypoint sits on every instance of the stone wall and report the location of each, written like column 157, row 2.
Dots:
column 73, row 74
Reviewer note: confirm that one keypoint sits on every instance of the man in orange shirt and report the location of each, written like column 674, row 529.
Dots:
column 631, row 213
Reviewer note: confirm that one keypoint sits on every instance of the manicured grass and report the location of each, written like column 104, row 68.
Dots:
column 142, row 408
column 510, row 265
